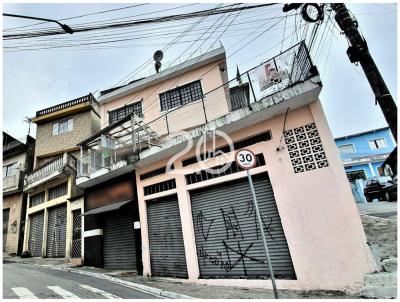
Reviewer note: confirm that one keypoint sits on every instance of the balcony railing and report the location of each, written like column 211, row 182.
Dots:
column 49, row 167
column 13, row 182
column 74, row 102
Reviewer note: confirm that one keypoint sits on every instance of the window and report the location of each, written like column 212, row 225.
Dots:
column 379, row 143
column 349, row 148
column 58, row 191
column 119, row 113
column 63, row 126
column 36, row 199
column 10, row 170
column 181, row 96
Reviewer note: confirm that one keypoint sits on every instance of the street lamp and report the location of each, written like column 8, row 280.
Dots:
column 65, row 27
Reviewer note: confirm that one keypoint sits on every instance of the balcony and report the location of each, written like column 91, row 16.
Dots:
column 53, row 169
column 12, row 183
column 115, row 149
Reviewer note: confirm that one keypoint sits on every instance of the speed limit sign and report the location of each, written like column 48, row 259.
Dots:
column 245, row 159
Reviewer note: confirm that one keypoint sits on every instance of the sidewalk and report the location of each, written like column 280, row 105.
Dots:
column 174, row 288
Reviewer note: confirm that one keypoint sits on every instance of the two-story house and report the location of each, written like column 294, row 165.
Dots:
column 54, row 207
column 163, row 191
column 17, row 161
column 363, row 154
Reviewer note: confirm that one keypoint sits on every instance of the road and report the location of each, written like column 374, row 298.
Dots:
column 25, row 281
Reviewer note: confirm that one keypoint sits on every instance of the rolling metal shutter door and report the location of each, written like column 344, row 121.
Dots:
column 119, row 248
column 167, row 251
column 36, row 234
column 227, row 235
column 57, row 232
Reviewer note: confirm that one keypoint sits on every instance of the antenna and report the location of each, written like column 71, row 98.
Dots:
column 29, row 121
column 158, row 56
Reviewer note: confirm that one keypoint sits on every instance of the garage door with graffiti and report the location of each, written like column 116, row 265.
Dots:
column 228, row 239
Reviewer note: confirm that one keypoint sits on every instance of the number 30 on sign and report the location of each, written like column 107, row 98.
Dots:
column 245, row 159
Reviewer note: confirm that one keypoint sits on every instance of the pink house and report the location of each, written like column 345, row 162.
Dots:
column 191, row 209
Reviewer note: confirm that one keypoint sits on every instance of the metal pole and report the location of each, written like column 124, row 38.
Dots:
column 252, row 90
column 204, row 109
column 358, row 52
column 271, row 272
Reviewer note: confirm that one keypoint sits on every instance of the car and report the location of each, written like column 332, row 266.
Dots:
column 391, row 190
column 380, row 188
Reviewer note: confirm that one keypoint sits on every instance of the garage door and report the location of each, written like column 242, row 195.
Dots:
column 167, row 251
column 36, row 222
column 228, row 240
column 56, row 232
column 119, row 249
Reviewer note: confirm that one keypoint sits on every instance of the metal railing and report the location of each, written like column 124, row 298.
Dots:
column 49, row 167
column 74, row 102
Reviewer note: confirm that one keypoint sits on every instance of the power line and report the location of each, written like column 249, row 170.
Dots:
column 133, row 23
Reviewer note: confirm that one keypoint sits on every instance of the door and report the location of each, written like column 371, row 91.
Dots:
column 76, row 234
column 119, row 249
column 57, row 232
column 36, row 234
column 228, row 239
column 6, row 215
column 167, row 251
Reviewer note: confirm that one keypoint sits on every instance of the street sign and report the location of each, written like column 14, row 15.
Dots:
column 247, row 160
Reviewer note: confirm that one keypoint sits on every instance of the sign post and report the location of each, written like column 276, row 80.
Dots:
column 247, row 160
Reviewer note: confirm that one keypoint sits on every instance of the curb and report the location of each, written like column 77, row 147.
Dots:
column 148, row 289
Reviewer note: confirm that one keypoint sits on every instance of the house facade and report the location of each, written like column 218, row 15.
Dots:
column 363, row 154
column 166, row 159
column 54, row 207
column 17, row 162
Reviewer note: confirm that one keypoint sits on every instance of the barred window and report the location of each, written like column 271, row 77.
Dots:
column 181, row 95
column 348, row 148
column 119, row 113
column 36, row 199
column 57, row 191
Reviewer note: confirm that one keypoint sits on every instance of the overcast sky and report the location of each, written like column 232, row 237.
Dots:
column 34, row 80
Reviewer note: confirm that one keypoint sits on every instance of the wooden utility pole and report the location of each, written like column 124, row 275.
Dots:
column 358, row 52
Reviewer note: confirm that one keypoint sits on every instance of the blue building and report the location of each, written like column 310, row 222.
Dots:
column 364, row 153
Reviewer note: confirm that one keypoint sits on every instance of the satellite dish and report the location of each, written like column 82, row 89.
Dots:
column 158, row 56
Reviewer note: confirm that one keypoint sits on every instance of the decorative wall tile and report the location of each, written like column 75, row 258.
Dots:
column 305, row 148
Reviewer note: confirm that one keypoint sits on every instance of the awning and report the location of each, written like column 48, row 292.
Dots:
column 107, row 208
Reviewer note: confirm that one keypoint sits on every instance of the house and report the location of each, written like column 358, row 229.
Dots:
column 364, row 153
column 54, row 207
column 17, row 162
column 162, row 190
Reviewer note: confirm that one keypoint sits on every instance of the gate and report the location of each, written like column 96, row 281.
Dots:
column 57, row 232
column 76, row 234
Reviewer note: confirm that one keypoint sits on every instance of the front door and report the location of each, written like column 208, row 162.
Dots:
column 6, row 215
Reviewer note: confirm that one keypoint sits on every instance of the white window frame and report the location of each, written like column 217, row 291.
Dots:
column 354, row 148
column 374, row 145
column 56, row 126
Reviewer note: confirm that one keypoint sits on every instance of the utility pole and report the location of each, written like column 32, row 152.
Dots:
column 358, row 52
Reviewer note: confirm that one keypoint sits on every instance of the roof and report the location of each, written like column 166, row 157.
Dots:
column 361, row 133
column 107, row 208
column 204, row 59
column 13, row 146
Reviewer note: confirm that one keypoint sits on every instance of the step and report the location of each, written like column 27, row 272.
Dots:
column 381, row 279
column 379, row 292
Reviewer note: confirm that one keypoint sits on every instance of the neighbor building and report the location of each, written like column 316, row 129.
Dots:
column 178, row 201
column 55, row 204
column 17, row 162
column 364, row 153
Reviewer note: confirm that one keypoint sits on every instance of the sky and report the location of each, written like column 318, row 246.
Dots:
column 34, row 80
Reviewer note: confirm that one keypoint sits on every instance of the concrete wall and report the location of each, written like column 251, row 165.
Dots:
column 319, row 217
column 14, row 204
column 84, row 125
column 190, row 115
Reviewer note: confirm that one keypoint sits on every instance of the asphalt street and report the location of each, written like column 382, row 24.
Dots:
column 25, row 281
